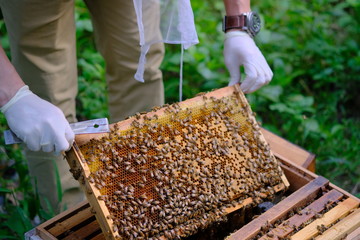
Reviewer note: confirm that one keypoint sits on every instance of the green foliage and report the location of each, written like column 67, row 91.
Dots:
column 92, row 95
column 20, row 204
column 203, row 68
column 313, row 50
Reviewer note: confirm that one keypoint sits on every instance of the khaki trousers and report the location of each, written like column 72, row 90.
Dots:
column 43, row 50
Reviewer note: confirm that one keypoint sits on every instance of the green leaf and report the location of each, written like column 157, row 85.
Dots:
column 270, row 92
column 354, row 3
column 205, row 72
column 84, row 24
column 311, row 125
column 18, row 222
column 336, row 129
column 6, row 236
column 301, row 103
column 5, row 190
column 282, row 108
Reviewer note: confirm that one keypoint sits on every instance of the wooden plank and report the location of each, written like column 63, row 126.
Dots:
column 89, row 231
column 343, row 191
column 355, row 235
column 76, row 162
column 286, row 150
column 341, row 210
column 65, row 214
column 304, row 215
column 45, row 235
column 310, row 163
column 63, row 226
column 299, row 176
column 100, row 236
column 342, row 228
column 83, row 232
column 296, row 178
column 238, row 206
column 43, row 229
column 295, row 200
column 305, row 172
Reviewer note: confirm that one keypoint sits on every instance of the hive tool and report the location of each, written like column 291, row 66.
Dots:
column 100, row 125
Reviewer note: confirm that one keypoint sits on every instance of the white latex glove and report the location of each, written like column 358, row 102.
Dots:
column 38, row 123
column 241, row 50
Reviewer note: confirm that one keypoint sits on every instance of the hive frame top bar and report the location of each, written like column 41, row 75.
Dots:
column 226, row 91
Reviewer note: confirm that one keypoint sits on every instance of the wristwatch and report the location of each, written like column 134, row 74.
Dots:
column 249, row 22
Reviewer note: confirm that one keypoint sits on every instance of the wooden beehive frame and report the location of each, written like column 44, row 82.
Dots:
column 82, row 171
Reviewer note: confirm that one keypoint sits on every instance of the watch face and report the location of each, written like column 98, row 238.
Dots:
column 255, row 23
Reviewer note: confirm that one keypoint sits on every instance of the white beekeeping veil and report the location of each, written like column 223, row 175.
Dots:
column 170, row 21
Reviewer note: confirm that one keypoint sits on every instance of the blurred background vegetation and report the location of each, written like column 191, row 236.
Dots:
column 312, row 101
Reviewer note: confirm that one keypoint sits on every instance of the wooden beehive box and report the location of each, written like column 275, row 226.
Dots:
column 79, row 222
column 177, row 169
column 318, row 210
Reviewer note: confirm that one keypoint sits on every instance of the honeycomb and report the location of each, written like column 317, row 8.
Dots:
column 175, row 170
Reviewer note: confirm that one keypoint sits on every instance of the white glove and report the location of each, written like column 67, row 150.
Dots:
column 38, row 123
column 241, row 50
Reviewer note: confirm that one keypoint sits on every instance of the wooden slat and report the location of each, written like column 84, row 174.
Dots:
column 69, row 223
column 44, row 234
column 305, row 172
column 238, row 206
column 76, row 161
column 61, row 225
column 286, row 150
column 43, row 229
column 100, row 236
column 299, row 176
column 342, row 228
column 343, row 191
column 341, row 210
column 295, row 200
column 355, row 235
column 310, row 163
column 306, row 214
column 84, row 232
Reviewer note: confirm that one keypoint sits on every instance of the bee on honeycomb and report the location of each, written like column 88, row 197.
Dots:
column 178, row 169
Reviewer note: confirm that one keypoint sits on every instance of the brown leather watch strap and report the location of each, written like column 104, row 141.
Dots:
column 234, row 22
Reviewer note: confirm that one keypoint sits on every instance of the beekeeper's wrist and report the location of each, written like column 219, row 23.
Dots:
column 22, row 92
column 236, row 33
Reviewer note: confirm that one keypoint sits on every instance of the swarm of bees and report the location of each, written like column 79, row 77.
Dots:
column 175, row 170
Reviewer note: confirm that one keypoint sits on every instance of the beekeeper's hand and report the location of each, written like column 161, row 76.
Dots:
column 241, row 50
column 38, row 123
